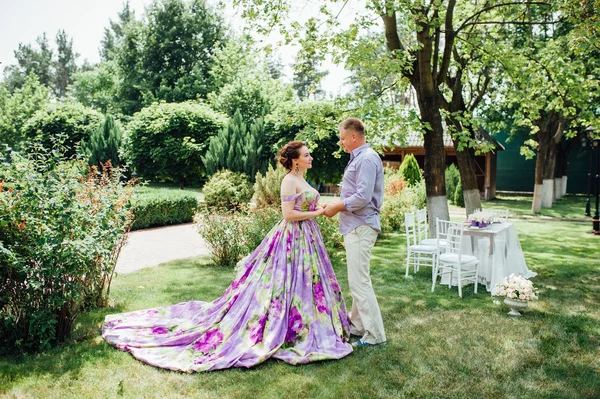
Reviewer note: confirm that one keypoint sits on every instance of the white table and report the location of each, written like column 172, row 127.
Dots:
column 499, row 252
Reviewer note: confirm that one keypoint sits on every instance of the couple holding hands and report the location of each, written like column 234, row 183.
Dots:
column 285, row 301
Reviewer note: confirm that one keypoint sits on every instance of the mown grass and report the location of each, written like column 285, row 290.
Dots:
column 570, row 207
column 439, row 346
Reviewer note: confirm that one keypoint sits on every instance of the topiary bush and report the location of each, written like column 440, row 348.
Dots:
column 452, row 181
column 227, row 190
column 409, row 170
column 103, row 144
column 72, row 121
column 61, row 232
column 459, row 198
column 167, row 141
column 267, row 189
column 163, row 209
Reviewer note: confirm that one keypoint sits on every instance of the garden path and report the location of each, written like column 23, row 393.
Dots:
column 151, row 247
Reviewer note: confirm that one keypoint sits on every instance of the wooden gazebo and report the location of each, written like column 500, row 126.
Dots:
column 485, row 164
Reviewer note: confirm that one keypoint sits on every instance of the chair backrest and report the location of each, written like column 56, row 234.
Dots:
column 411, row 229
column 422, row 226
column 452, row 233
column 501, row 214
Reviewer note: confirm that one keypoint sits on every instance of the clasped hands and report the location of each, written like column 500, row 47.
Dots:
column 330, row 210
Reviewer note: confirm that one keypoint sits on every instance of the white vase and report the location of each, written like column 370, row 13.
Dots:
column 515, row 305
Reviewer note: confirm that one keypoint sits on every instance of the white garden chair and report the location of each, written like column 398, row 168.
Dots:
column 453, row 261
column 423, row 229
column 499, row 214
column 417, row 254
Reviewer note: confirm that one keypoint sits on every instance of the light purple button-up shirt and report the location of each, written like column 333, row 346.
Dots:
column 362, row 190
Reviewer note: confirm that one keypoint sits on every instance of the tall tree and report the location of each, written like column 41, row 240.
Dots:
column 30, row 60
column 307, row 76
column 64, row 66
column 114, row 34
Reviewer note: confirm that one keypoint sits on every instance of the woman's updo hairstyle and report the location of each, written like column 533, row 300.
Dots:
column 289, row 152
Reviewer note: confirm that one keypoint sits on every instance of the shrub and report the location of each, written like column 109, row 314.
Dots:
column 224, row 235
column 330, row 231
column 62, row 231
column 459, row 198
column 163, row 209
column 267, row 189
column 103, row 144
column 167, row 141
column 452, row 181
column 256, row 222
column 237, row 148
column 409, row 170
column 71, row 120
column 227, row 190
column 395, row 206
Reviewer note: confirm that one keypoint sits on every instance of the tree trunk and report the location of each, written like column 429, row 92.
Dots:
column 549, row 167
column 562, row 163
column 540, row 162
column 466, row 161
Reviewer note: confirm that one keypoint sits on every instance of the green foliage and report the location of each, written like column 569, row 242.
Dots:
column 71, row 120
column 267, row 188
column 452, row 181
column 168, row 54
column 61, row 234
column 64, row 66
column 459, row 198
column 167, row 141
column 314, row 122
column 163, row 208
column 307, row 76
column 330, row 232
column 256, row 222
column 224, row 235
column 104, row 144
column 409, row 170
column 399, row 198
column 30, row 61
column 227, row 190
column 236, row 148
column 97, row 88
column 18, row 107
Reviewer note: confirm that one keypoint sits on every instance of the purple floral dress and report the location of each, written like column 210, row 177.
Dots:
column 284, row 303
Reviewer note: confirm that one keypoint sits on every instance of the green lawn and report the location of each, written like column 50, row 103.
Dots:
column 439, row 346
column 165, row 188
column 570, row 207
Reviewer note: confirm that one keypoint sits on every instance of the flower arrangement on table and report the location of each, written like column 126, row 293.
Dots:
column 481, row 218
column 517, row 291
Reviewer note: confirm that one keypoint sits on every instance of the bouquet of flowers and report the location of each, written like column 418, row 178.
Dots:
column 481, row 218
column 516, row 287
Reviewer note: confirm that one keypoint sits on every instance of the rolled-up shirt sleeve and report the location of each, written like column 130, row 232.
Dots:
column 366, row 174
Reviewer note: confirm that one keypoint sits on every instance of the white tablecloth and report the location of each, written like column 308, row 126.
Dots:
column 499, row 252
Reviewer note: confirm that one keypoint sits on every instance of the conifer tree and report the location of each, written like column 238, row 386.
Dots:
column 103, row 144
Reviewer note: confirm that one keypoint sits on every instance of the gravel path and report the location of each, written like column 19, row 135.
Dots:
column 151, row 247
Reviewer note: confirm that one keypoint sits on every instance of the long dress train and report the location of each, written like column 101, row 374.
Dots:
column 284, row 303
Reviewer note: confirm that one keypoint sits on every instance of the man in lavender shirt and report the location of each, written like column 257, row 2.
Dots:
column 361, row 199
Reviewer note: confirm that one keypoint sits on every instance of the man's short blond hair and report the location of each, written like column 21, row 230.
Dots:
column 354, row 124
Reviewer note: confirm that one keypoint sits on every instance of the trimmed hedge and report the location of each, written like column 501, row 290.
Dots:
column 163, row 209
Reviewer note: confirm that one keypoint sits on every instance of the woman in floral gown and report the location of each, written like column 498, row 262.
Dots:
column 285, row 302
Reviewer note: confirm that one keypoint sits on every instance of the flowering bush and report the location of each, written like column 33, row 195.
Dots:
column 516, row 287
column 61, row 230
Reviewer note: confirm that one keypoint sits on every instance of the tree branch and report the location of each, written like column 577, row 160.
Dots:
column 486, row 9
column 449, row 42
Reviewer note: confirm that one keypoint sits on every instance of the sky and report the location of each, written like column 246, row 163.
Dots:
column 22, row 21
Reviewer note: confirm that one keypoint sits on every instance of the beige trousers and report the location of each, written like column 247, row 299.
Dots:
column 365, row 317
